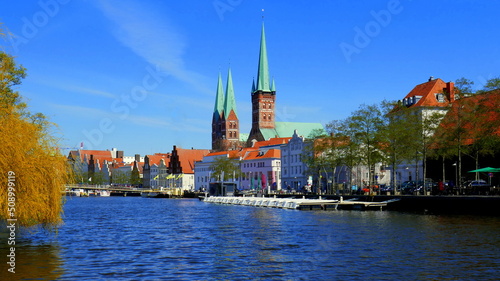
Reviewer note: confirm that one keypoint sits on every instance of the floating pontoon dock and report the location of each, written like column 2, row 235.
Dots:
column 284, row 203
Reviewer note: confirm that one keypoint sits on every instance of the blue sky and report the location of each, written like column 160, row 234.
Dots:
column 141, row 75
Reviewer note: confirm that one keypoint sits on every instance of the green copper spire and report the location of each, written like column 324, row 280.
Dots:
column 219, row 99
column 273, row 87
column 263, row 72
column 229, row 100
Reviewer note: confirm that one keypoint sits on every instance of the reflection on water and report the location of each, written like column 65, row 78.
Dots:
column 33, row 260
column 151, row 239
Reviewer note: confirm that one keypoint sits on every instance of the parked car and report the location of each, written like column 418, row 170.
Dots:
column 477, row 187
column 408, row 187
column 430, row 186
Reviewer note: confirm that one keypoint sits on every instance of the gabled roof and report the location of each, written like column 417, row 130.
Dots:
column 255, row 155
column 96, row 153
column 187, row 157
column 84, row 155
column 156, row 158
column 428, row 94
column 272, row 141
column 232, row 154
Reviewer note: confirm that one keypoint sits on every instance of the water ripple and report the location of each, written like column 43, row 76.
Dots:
column 147, row 239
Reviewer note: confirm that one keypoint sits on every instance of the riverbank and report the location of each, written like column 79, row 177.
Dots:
column 469, row 205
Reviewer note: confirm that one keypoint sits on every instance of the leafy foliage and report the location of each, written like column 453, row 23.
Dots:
column 30, row 152
column 225, row 168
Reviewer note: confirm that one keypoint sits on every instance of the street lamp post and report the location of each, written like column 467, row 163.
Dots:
column 456, row 175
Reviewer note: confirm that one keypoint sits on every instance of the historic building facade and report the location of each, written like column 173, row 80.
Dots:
column 225, row 123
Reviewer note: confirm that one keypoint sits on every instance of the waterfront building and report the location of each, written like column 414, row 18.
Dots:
column 181, row 167
column 261, row 160
column 294, row 176
column 94, row 166
column 432, row 97
column 261, row 170
column 155, row 170
column 203, row 171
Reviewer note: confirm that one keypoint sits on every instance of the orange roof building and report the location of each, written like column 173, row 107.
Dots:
column 433, row 93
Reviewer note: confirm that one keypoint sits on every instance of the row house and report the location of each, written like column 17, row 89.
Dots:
column 260, row 166
column 172, row 170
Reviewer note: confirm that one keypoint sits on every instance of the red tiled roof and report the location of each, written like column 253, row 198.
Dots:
column 271, row 153
column 217, row 153
column 187, row 157
column 427, row 92
column 272, row 141
column 156, row 158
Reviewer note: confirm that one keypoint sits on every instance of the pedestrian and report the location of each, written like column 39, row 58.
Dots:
column 441, row 187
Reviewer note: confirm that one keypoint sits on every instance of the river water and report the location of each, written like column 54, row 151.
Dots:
column 133, row 238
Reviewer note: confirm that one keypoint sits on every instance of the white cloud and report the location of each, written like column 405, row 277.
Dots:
column 151, row 37
column 81, row 110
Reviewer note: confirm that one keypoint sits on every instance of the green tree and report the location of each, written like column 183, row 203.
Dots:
column 396, row 136
column 135, row 176
column 464, row 87
column 119, row 177
column 348, row 151
column 491, row 85
column 364, row 125
column 224, row 168
column 426, row 128
column 322, row 156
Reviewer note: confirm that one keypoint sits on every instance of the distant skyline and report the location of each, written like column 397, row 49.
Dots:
column 141, row 76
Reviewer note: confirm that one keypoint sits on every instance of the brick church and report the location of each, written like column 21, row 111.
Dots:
column 225, row 124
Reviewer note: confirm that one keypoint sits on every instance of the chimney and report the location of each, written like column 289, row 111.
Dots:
column 431, row 78
column 138, row 158
column 253, row 142
column 450, row 89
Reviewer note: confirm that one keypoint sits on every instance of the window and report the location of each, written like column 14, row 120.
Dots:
column 440, row 97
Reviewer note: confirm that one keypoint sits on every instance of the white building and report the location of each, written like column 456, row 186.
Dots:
column 203, row 172
column 293, row 169
column 261, row 170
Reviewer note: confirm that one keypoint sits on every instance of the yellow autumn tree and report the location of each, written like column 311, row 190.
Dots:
column 32, row 171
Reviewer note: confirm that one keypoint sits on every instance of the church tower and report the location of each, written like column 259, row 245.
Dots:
column 230, row 122
column 217, row 116
column 263, row 96
column 225, row 123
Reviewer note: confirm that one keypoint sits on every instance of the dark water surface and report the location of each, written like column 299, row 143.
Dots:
column 133, row 238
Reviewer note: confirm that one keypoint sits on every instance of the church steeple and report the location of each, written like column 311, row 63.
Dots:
column 229, row 100
column 263, row 71
column 218, row 115
column 263, row 98
column 219, row 99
